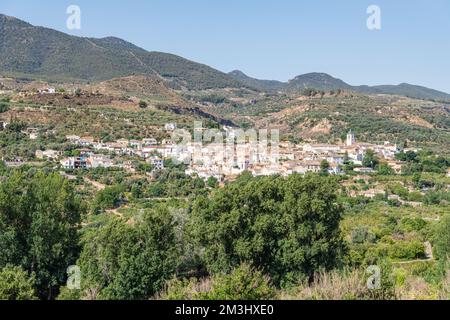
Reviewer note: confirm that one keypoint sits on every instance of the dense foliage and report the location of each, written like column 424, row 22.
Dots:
column 129, row 260
column 287, row 227
column 39, row 218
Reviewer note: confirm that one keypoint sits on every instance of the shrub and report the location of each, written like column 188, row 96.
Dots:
column 143, row 104
column 16, row 284
column 243, row 283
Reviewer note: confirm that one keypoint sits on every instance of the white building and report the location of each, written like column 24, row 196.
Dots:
column 48, row 154
column 156, row 162
column 170, row 126
column 149, row 142
column 98, row 161
column 350, row 139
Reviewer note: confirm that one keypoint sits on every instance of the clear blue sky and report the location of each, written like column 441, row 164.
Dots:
column 271, row 39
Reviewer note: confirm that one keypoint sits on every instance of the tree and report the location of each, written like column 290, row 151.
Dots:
column 3, row 107
column 39, row 219
column 129, row 260
column 385, row 170
column 370, row 159
column 286, row 227
column 441, row 239
column 346, row 159
column 108, row 198
column 417, row 176
column 15, row 284
column 143, row 104
column 324, row 166
column 212, row 182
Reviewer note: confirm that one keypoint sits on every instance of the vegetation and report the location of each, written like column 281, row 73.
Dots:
column 285, row 227
column 243, row 283
column 123, row 58
column 140, row 233
column 256, row 238
column 16, row 284
column 39, row 218
column 129, row 260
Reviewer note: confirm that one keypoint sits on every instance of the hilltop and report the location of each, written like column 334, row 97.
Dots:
column 38, row 52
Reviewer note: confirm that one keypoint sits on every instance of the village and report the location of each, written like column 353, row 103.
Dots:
column 223, row 161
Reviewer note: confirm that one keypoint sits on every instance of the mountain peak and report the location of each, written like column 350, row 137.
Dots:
column 316, row 80
column 237, row 73
column 12, row 21
column 37, row 52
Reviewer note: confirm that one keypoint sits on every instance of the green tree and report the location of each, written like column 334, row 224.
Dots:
column 212, row 182
column 286, row 227
column 39, row 219
column 417, row 176
column 129, row 260
column 385, row 170
column 3, row 107
column 324, row 166
column 143, row 104
column 441, row 239
column 15, row 284
column 370, row 159
column 108, row 198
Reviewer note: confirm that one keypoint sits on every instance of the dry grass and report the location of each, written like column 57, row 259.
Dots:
column 331, row 286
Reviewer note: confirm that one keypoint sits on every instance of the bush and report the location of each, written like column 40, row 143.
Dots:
column 143, row 104
column 345, row 285
column 362, row 234
column 109, row 198
column 3, row 107
column 243, row 283
column 16, row 284
column 407, row 250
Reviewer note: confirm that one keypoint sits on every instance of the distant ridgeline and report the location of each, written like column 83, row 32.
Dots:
column 38, row 52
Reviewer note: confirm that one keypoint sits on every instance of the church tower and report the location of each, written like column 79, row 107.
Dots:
column 350, row 139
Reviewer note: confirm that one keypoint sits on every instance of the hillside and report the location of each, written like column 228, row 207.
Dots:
column 262, row 85
column 38, row 52
column 407, row 90
column 319, row 81
column 328, row 117
column 325, row 82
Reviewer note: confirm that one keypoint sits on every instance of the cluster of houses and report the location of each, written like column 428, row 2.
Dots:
column 294, row 158
column 225, row 161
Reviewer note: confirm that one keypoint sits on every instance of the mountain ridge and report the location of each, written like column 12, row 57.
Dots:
column 40, row 52
column 323, row 81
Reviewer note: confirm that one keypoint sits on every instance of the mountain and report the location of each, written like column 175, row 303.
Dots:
column 37, row 52
column 325, row 82
column 262, row 85
column 407, row 90
column 319, row 81
column 42, row 53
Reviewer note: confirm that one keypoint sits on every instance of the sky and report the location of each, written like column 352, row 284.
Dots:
column 270, row 39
